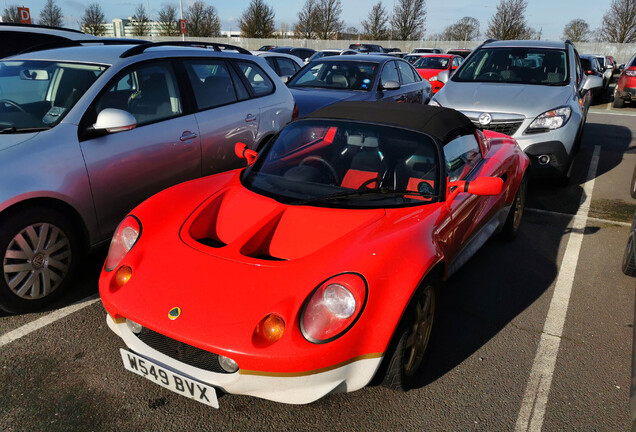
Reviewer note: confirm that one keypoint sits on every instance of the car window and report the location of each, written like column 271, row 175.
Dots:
column 212, row 83
column 456, row 61
column 341, row 75
column 271, row 62
column 462, row 155
column 14, row 42
column 149, row 92
column 579, row 70
column 407, row 73
column 389, row 73
column 257, row 78
column 286, row 66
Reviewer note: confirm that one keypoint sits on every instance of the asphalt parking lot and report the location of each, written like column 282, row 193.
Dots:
column 532, row 335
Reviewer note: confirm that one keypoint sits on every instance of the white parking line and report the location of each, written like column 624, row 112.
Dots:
column 612, row 113
column 568, row 215
column 46, row 320
column 533, row 405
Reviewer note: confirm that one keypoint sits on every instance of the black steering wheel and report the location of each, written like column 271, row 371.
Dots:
column 330, row 167
column 490, row 75
column 12, row 103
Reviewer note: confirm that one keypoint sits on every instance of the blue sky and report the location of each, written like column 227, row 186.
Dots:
column 549, row 15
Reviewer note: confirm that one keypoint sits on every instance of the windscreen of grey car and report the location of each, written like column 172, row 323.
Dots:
column 539, row 66
column 338, row 75
column 36, row 95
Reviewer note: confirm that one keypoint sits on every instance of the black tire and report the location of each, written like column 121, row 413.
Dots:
column 618, row 102
column 629, row 257
column 40, row 251
column 515, row 215
column 409, row 352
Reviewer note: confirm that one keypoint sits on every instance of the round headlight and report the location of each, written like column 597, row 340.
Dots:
column 228, row 364
column 339, row 301
column 133, row 326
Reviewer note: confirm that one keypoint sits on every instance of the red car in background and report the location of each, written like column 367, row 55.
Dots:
column 429, row 66
column 625, row 90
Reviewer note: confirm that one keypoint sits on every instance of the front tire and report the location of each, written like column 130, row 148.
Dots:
column 407, row 360
column 39, row 252
column 513, row 221
column 618, row 102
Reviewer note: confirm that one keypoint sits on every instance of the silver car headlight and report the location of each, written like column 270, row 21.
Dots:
column 552, row 119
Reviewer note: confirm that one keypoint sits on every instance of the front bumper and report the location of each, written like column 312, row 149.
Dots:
column 291, row 388
column 558, row 161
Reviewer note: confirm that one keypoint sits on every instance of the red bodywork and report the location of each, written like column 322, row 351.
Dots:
column 626, row 85
column 430, row 73
column 262, row 257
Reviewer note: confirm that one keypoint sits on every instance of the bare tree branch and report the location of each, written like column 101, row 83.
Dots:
column 328, row 23
column 51, row 15
column 203, row 20
column 93, row 20
column 141, row 26
column 257, row 20
column 509, row 22
column 375, row 26
column 465, row 29
column 619, row 23
column 408, row 19
column 576, row 30
column 168, row 21
column 305, row 28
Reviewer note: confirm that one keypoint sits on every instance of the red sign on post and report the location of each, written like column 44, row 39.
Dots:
column 25, row 15
column 183, row 25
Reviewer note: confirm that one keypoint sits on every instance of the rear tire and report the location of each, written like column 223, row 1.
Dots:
column 618, row 102
column 408, row 358
column 515, row 215
column 40, row 252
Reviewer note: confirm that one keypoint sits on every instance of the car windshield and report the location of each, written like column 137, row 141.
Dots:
column 539, row 66
column 347, row 164
column 321, row 54
column 36, row 95
column 339, row 75
column 432, row 63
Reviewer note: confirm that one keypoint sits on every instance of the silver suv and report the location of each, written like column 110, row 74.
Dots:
column 534, row 91
column 88, row 132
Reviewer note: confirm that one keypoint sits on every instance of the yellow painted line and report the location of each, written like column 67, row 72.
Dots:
column 312, row 372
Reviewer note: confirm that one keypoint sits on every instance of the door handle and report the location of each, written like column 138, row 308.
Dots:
column 250, row 118
column 187, row 135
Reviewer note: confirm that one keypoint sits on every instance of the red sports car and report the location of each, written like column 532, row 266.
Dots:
column 430, row 65
column 317, row 267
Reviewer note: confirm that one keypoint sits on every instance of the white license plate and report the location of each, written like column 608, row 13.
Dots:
column 172, row 381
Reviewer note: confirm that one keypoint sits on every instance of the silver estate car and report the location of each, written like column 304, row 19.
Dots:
column 534, row 91
column 88, row 132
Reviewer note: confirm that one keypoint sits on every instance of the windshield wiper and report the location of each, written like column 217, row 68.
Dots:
column 355, row 194
column 13, row 129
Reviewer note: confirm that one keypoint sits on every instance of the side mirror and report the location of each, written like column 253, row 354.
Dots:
column 241, row 150
column 592, row 82
column 114, row 120
column 285, row 78
column 443, row 76
column 482, row 186
column 391, row 85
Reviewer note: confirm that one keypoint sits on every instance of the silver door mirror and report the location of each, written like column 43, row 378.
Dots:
column 443, row 76
column 592, row 82
column 115, row 120
column 285, row 78
column 391, row 85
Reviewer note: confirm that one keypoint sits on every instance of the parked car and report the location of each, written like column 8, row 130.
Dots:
column 18, row 37
column 330, row 53
column 590, row 66
column 629, row 257
column 607, row 68
column 430, row 65
column 88, row 132
column 625, row 89
column 534, row 91
column 388, row 204
column 464, row 52
column 301, row 53
column 427, row 51
column 412, row 58
column 285, row 65
column 267, row 47
column 360, row 77
column 366, row 48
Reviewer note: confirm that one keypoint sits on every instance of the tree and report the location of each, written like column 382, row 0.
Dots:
column 93, row 20
column 257, row 21
column 203, row 20
column 465, row 29
column 509, row 21
column 328, row 23
column 619, row 23
column 168, row 22
column 305, row 28
column 375, row 26
column 408, row 19
column 576, row 30
column 51, row 15
column 11, row 14
column 141, row 26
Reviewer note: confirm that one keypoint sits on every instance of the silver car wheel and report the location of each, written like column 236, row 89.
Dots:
column 36, row 261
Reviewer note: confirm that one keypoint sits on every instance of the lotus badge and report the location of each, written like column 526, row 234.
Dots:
column 174, row 313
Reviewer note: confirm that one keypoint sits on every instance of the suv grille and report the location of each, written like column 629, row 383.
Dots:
column 182, row 352
column 508, row 128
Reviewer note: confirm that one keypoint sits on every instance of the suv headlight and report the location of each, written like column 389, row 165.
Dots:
column 552, row 119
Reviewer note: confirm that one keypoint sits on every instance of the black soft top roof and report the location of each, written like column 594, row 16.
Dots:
column 443, row 123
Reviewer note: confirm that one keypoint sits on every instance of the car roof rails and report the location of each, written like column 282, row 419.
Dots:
column 194, row 44
column 73, row 43
column 2, row 24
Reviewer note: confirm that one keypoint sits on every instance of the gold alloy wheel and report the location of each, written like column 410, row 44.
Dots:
column 36, row 261
column 420, row 331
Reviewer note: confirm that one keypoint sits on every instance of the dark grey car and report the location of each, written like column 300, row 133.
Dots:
column 357, row 78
